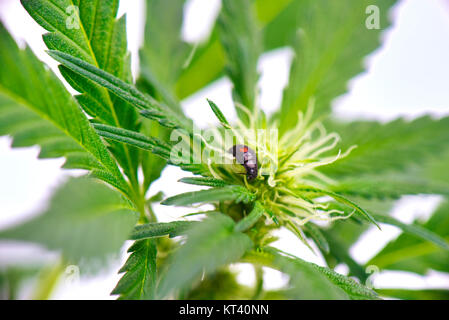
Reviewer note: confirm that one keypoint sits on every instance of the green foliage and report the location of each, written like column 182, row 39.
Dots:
column 317, row 236
column 227, row 193
column 135, row 139
column 214, row 237
column 414, row 254
column 148, row 107
column 391, row 185
column 220, row 116
column 415, row 230
column 251, row 219
column 86, row 221
column 98, row 38
column 428, row 294
column 163, row 54
column 12, row 277
column 410, row 142
column 221, row 285
column 37, row 109
column 328, row 51
column 162, row 58
column 342, row 200
column 276, row 21
column 204, row 181
column 139, row 280
column 241, row 42
column 341, row 235
column 153, row 230
column 307, row 280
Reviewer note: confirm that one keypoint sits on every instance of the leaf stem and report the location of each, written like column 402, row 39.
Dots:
column 48, row 280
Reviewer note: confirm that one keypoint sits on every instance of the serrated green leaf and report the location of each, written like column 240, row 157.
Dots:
column 315, row 234
column 308, row 280
column 410, row 294
column 86, row 221
column 278, row 22
column 331, row 42
column 239, row 36
column 410, row 253
column 162, row 58
column 159, row 229
column 152, row 144
column 342, row 234
column 339, row 249
column 90, row 31
column 414, row 230
column 353, row 289
column 163, row 54
column 220, row 116
column 211, row 244
column 133, row 138
column 228, row 193
column 37, row 109
column 148, row 107
column 411, row 142
column 247, row 222
column 392, row 186
column 204, row 181
column 139, row 280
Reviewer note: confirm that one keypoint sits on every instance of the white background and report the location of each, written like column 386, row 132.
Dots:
column 408, row 76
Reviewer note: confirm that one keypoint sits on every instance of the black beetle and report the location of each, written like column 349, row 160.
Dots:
column 247, row 158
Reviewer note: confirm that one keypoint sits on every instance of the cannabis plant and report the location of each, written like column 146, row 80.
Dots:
column 300, row 169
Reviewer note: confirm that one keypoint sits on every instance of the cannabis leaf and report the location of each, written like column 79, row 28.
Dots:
column 331, row 42
column 241, row 42
column 139, row 280
column 163, row 54
column 148, row 107
column 414, row 254
column 247, row 222
column 86, row 221
column 410, row 294
column 212, row 243
column 411, row 142
column 153, row 230
column 393, row 185
column 277, row 21
column 135, row 139
column 37, row 109
column 162, row 59
column 231, row 193
column 109, row 128
column 97, row 37
column 307, row 280
column 204, row 181
column 415, row 230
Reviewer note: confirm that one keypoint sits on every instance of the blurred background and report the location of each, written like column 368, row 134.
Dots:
column 407, row 76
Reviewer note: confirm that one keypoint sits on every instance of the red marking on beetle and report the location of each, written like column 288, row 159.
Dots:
column 245, row 149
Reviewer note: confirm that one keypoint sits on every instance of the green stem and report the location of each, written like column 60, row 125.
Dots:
column 151, row 213
column 48, row 279
column 258, row 289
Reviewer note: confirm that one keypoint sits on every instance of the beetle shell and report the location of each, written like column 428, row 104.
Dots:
column 245, row 156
